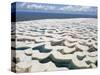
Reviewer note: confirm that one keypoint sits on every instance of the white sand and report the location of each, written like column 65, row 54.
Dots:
column 64, row 41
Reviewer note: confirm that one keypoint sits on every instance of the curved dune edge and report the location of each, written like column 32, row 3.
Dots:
column 35, row 66
column 37, row 58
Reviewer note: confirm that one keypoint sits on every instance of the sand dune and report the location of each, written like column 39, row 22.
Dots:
column 55, row 44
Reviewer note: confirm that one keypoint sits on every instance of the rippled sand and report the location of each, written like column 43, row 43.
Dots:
column 55, row 44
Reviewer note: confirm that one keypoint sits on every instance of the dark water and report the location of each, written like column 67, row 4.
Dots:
column 25, row 16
